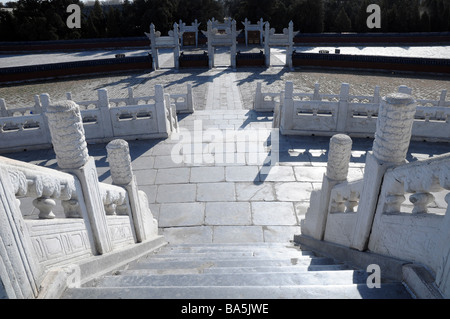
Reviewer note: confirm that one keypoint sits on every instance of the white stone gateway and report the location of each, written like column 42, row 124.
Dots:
column 170, row 41
column 259, row 26
column 226, row 38
column 285, row 39
column 193, row 28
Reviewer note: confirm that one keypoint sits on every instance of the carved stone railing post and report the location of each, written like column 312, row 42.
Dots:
column 103, row 105
column 258, row 101
column 190, row 99
column 162, row 111
column 337, row 171
column 342, row 115
column 122, row 175
column 3, row 109
column 172, row 113
column 287, row 112
column 442, row 98
column 45, row 102
column 153, row 47
column 390, row 147
column 67, row 132
column 316, row 94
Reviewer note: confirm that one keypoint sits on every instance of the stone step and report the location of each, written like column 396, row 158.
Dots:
column 232, row 270
column 244, row 245
column 227, row 255
column 208, row 263
column 350, row 291
column 231, row 249
column 262, row 269
column 342, row 277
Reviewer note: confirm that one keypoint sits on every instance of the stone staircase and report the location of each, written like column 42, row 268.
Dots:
column 232, row 271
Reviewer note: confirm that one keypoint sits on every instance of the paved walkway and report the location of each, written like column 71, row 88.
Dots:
column 223, row 93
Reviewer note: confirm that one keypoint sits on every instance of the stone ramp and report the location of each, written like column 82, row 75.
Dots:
column 232, row 271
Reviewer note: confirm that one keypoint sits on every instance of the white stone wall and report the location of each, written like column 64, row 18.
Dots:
column 356, row 115
column 103, row 119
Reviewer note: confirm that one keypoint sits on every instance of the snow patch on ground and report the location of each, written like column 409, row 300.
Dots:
column 439, row 52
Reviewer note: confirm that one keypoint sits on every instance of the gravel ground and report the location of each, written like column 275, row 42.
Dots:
column 361, row 83
column 273, row 80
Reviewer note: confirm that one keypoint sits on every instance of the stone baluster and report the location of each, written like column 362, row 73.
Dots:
column 396, row 197
column 69, row 144
column 45, row 206
column 337, row 169
column 420, row 200
column 72, row 208
column 337, row 204
column 392, row 138
column 352, row 202
column 122, row 175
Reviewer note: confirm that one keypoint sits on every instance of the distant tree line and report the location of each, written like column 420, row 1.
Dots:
column 46, row 19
